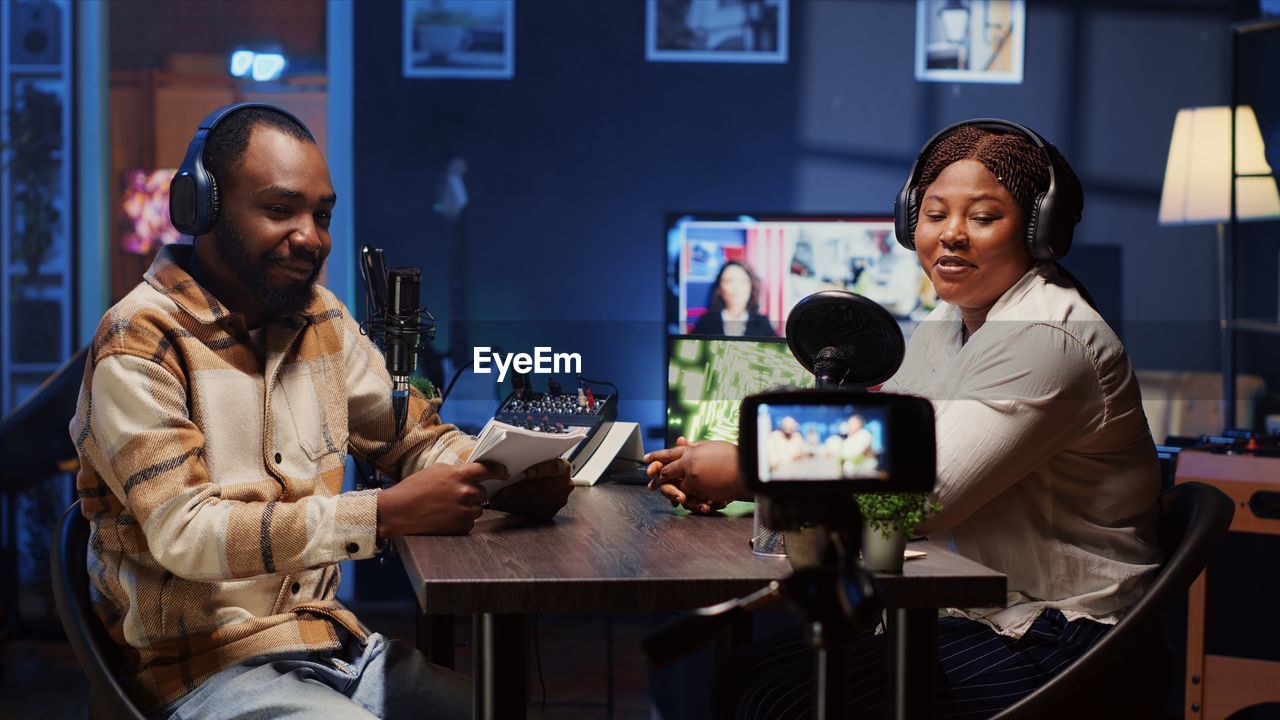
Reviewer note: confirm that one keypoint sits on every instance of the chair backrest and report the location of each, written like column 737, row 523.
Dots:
column 33, row 436
column 1194, row 518
column 92, row 646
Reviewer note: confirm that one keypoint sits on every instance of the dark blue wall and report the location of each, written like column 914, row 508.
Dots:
column 575, row 161
column 572, row 166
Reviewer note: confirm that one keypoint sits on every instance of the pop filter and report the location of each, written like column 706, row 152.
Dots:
column 845, row 339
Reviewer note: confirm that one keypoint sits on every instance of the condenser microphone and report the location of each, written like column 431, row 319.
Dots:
column 401, row 333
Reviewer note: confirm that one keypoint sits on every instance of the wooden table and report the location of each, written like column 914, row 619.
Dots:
column 618, row 548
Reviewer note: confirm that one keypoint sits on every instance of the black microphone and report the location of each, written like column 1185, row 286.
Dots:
column 400, row 333
column 831, row 366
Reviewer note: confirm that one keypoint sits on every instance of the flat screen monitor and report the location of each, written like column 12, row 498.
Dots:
column 740, row 275
column 707, row 378
column 144, row 211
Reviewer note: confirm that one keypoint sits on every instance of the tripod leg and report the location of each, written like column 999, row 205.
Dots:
column 913, row 659
column 830, row 691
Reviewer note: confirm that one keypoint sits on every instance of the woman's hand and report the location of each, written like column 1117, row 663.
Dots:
column 701, row 476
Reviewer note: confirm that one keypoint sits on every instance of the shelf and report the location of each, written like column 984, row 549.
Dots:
column 1259, row 25
column 1269, row 327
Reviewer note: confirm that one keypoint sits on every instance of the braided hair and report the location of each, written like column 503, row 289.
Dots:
column 1018, row 165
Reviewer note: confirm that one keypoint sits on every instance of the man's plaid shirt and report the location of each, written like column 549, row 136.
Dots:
column 212, row 471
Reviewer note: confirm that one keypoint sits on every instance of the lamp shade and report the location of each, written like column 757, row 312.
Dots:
column 1197, row 177
column 955, row 21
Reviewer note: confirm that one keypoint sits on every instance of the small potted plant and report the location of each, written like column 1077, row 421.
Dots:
column 888, row 519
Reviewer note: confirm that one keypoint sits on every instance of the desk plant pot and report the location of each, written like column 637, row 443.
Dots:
column 888, row 519
column 883, row 553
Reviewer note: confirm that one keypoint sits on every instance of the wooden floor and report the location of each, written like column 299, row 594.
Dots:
column 39, row 679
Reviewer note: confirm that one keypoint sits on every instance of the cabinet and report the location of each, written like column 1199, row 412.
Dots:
column 36, row 276
column 36, row 203
column 1219, row 685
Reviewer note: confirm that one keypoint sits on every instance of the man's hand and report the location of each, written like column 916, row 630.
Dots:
column 701, row 476
column 541, row 494
column 440, row 499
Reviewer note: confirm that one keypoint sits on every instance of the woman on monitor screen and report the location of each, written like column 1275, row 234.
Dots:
column 1046, row 467
column 734, row 306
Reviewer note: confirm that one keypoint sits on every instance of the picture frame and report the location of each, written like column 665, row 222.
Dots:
column 975, row 41
column 472, row 39
column 717, row 31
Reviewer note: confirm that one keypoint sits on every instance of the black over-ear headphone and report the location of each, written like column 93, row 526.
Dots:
column 1054, row 212
column 194, row 203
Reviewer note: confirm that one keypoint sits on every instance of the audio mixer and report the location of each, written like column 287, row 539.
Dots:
column 556, row 411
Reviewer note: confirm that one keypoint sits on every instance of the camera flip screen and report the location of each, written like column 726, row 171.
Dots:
column 826, row 443
column 822, row 442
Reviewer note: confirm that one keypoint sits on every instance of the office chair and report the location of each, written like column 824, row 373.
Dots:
column 93, row 648
column 35, row 446
column 33, row 436
column 1126, row 674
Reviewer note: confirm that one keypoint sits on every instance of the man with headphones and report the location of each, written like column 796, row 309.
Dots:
column 221, row 400
column 1046, row 468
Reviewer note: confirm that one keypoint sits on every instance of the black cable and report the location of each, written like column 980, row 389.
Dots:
column 400, row 411
column 537, row 658
column 589, row 381
column 456, row 374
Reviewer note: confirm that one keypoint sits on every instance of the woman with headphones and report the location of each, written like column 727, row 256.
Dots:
column 1046, row 467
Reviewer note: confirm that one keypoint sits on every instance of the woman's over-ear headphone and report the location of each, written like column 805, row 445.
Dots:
column 1054, row 212
column 194, row 203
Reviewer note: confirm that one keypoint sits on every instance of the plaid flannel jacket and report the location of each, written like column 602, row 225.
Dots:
column 212, row 476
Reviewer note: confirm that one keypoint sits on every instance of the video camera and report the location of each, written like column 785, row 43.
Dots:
column 806, row 453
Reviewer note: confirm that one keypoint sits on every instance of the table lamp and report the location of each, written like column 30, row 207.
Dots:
column 1198, row 190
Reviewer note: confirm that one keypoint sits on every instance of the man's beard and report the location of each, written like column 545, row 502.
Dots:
column 276, row 300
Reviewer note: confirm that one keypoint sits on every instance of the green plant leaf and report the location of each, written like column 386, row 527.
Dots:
column 425, row 386
column 888, row 513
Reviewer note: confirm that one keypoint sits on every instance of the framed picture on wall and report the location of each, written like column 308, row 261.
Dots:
column 970, row 40
column 459, row 39
column 719, row 31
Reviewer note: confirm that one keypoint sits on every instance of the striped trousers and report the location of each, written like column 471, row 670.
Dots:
column 979, row 672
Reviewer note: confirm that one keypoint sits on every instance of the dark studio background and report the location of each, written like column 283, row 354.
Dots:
column 575, row 164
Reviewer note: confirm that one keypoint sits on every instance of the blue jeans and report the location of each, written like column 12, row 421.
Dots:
column 378, row 679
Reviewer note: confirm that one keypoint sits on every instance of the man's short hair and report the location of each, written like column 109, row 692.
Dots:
column 226, row 145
